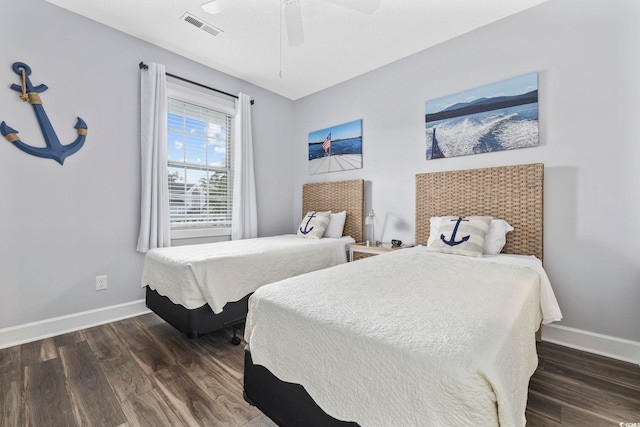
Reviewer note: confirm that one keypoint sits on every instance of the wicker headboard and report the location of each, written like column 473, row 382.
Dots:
column 338, row 196
column 512, row 193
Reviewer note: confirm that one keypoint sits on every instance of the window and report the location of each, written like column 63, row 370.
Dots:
column 199, row 152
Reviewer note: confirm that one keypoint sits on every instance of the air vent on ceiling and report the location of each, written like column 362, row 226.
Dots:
column 187, row 17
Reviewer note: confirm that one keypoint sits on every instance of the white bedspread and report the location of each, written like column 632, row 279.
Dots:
column 222, row 272
column 409, row 338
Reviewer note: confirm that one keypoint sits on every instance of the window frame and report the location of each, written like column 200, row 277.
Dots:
column 221, row 105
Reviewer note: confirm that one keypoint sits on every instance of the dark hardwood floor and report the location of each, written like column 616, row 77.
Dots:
column 142, row 372
column 576, row 388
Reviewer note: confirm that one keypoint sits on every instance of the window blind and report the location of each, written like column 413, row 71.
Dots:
column 200, row 164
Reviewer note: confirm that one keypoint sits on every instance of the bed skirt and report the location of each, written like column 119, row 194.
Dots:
column 287, row 404
column 199, row 321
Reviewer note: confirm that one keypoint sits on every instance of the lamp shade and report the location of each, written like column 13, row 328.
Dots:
column 370, row 219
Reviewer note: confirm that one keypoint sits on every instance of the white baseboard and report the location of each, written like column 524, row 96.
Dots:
column 29, row 332
column 604, row 345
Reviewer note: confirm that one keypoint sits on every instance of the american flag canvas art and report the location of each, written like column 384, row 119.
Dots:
column 336, row 148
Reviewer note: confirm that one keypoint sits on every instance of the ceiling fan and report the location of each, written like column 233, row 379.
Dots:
column 292, row 13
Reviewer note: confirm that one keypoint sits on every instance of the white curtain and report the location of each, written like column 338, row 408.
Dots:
column 155, row 229
column 244, row 217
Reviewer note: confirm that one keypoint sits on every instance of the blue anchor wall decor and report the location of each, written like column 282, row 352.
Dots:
column 54, row 149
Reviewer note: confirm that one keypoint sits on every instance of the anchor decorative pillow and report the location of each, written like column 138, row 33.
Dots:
column 461, row 235
column 314, row 224
column 494, row 241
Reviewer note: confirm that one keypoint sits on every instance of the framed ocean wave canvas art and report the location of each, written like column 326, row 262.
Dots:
column 337, row 148
column 495, row 117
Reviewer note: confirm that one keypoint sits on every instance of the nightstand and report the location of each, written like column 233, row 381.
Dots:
column 361, row 250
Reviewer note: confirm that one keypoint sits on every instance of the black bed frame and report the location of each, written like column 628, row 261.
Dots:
column 287, row 404
column 199, row 321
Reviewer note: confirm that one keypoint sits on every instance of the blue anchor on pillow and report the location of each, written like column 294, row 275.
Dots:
column 306, row 229
column 452, row 241
column 54, row 149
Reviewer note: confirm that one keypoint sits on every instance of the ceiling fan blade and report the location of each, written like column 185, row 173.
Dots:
column 364, row 6
column 293, row 22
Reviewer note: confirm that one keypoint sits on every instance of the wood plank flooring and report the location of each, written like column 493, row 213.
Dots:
column 575, row 388
column 142, row 372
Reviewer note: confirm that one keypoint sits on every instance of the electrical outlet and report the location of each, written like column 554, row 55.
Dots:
column 101, row 283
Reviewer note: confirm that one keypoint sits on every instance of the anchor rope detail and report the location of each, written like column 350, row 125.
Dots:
column 30, row 97
column 12, row 137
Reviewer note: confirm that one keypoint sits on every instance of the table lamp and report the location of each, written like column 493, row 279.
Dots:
column 370, row 220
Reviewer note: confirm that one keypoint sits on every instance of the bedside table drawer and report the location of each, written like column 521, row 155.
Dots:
column 360, row 250
column 361, row 255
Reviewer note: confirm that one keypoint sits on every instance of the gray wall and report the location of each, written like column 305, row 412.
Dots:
column 586, row 53
column 61, row 226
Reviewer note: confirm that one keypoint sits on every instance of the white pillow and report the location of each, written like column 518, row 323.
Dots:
column 461, row 235
column 313, row 225
column 496, row 237
column 336, row 225
column 494, row 241
column 434, row 225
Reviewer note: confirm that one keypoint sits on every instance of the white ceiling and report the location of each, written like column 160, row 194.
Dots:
column 339, row 43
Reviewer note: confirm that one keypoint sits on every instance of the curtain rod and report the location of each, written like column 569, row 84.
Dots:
column 144, row 66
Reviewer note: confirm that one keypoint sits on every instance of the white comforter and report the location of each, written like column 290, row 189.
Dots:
column 222, row 272
column 408, row 338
